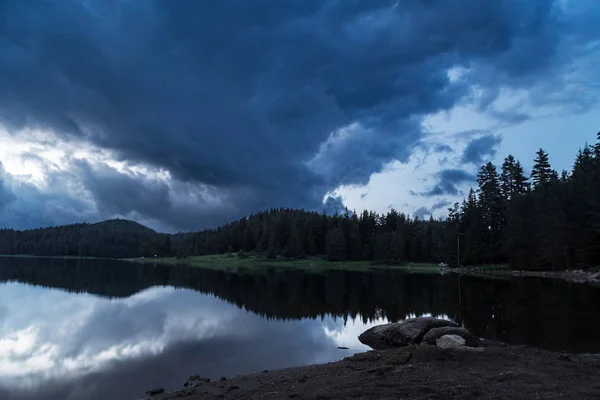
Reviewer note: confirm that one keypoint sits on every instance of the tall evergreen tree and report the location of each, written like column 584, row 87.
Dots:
column 294, row 248
column 336, row 245
column 542, row 172
column 491, row 206
column 512, row 179
column 473, row 231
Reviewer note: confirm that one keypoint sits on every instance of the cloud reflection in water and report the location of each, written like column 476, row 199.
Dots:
column 61, row 345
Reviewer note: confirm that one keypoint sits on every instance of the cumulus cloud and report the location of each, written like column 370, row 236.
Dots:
column 277, row 103
column 334, row 205
column 448, row 181
column 480, row 149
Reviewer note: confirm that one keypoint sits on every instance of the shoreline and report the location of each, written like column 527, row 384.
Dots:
column 418, row 372
column 575, row 276
column 316, row 264
column 254, row 262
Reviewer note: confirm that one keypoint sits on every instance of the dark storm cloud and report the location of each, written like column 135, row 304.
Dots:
column 448, row 179
column 243, row 96
column 165, row 207
column 24, row 206
column 422, row 212
column 6, row 194
column 480, row 149
column 440, row 204
column 119, row 193
column 443, row 148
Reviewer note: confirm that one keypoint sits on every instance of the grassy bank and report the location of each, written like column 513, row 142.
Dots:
column 221, row 261
column 260, row 262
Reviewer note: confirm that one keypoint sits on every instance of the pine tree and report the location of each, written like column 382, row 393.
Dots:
column 473, row 232
column 336, row 245
column 396, row 253
column 520, row 243
column 381, row 248
column 294, row 248
column 542, row 172
column 355, row 246
column 451, row 231
column 512, row 179
column 492, row 207
column 166, row 248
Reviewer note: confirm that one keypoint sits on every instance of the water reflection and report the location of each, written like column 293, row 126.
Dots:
column 110, row 330
column 56, row 345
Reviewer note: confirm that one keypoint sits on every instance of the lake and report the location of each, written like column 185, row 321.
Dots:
column 94, row 329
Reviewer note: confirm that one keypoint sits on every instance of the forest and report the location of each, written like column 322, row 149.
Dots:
column 543, row 221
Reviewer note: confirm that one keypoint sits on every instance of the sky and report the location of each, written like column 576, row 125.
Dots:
column 183, row 115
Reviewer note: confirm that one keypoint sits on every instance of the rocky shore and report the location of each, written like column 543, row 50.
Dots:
column 421, row 358
column 576, row 276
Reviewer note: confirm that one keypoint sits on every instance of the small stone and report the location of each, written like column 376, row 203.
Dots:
column 380, row 371
column 198, row 378
column 434, row 334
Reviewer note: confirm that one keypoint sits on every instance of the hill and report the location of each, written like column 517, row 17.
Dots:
column 116, row 238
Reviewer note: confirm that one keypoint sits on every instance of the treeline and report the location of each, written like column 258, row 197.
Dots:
column 545, row 221
column 548, row 221
column 384, row 238
column 115, row 238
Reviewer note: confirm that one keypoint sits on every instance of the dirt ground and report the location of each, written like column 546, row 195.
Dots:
column 424, row 372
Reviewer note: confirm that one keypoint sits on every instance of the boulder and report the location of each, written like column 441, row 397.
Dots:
column 450, row 342
column 434, row 334
column 154, row 392
column 195, row 380
column 410, row 331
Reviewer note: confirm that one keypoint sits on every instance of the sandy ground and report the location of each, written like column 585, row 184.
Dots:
column 424, row 372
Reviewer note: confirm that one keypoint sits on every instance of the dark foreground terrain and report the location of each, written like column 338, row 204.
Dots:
column 424, row 372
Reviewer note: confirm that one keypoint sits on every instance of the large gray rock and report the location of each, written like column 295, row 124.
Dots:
column 410, row 331
column 434, row 334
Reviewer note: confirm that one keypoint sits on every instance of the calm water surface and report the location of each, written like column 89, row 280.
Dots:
column 109, row 330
